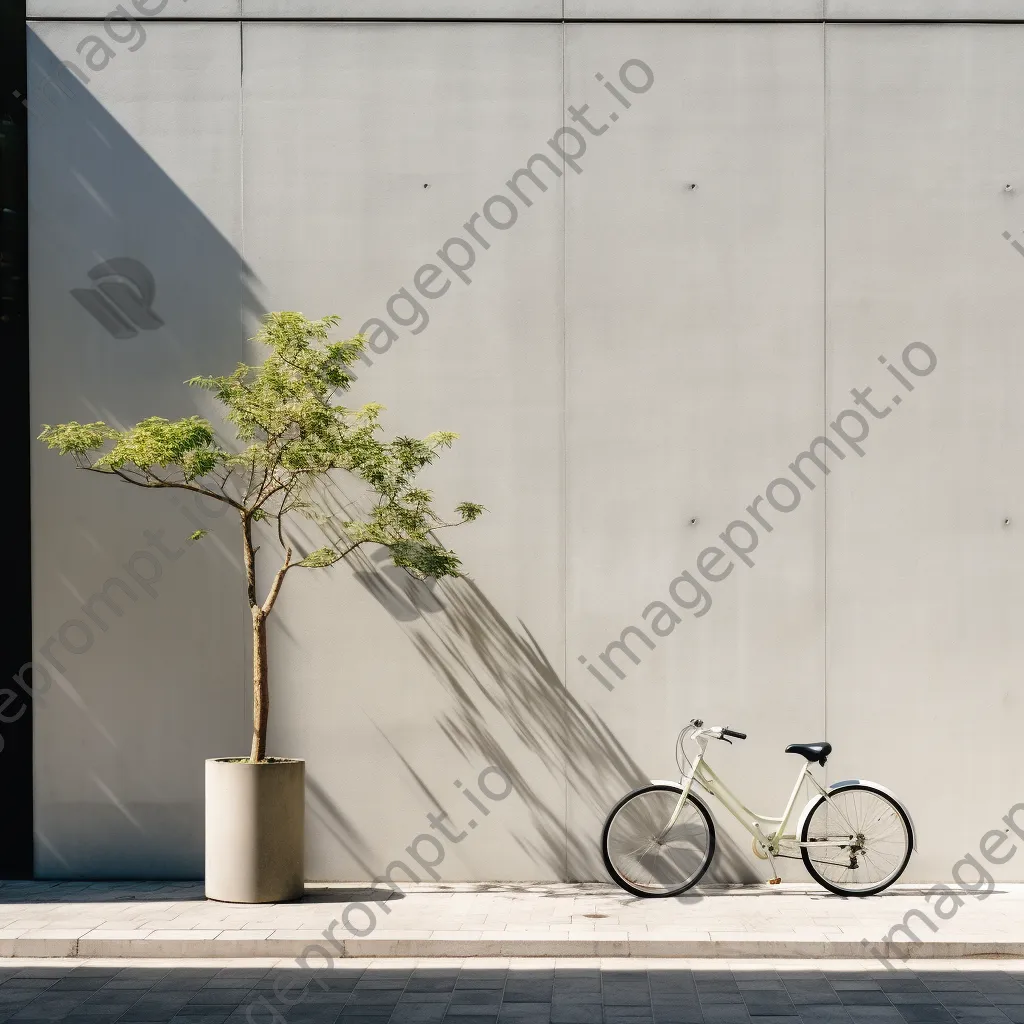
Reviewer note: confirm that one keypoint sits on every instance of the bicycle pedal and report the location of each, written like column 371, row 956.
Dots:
column 774, row 881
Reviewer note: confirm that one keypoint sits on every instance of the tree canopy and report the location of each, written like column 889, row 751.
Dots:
column 291, row 432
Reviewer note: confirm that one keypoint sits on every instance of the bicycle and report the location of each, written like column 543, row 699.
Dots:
column 856, row 837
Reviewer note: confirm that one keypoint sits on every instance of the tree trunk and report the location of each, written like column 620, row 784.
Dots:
column 260, row 684
column 260, row 687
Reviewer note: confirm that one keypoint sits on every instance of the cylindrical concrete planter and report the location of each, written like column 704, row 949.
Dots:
column 255, row 830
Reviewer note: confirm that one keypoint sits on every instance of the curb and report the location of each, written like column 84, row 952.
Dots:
column 314, row 945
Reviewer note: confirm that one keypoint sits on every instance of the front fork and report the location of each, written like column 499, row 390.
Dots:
column 687, row 786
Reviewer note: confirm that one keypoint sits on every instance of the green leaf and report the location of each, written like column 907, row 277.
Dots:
column 76, row 438
column 320, row 559
column 425, row 560
column 155, row 442
column 442, row 438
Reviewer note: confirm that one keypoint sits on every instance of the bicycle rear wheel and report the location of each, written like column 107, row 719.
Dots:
column 648, row 859
column 861, row 841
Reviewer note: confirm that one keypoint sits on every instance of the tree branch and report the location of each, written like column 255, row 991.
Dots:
column 275, row 588
column 349, row 550
column 156, row 482
column 250, row 561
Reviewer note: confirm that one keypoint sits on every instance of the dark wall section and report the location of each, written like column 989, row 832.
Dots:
column 16, row 636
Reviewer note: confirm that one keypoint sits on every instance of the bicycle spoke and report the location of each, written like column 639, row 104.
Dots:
column 646, row 854
column 876, row 853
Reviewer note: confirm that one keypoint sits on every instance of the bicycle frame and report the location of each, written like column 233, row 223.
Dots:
column 703, row 774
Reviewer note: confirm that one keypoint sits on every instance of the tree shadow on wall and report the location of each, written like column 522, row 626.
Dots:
column 497, row 671
column 124, row 261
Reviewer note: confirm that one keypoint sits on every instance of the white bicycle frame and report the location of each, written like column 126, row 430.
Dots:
column 703, row 774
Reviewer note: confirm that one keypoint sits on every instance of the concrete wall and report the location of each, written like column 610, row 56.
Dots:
column 652, row 342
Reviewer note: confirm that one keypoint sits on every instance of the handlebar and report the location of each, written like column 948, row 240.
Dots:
column 721, row 731
column 701, row 734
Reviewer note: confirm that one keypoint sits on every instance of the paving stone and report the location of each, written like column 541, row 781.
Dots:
column 863, row 997
column 735, row 1013
column 768, row 1004
column 924, row 1013
column 979, row 1014
column 826, row 1013
column 875, row 1014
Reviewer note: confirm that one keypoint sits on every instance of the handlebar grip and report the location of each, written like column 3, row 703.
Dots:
column 732, row 732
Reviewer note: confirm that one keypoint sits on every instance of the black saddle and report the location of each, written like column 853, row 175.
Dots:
column 812, row 751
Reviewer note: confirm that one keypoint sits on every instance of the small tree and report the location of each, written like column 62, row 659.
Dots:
column 291, row 436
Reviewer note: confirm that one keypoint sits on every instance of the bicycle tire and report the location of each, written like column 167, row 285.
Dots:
column 902, row 860
column 611, row 855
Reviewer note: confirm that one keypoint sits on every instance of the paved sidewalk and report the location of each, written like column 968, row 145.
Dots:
column 126, row 919
column 483, row 991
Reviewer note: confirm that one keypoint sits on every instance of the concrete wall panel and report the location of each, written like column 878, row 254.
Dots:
column 693, row 326
column 142, row 163
column 925, row 160
column 354, row 179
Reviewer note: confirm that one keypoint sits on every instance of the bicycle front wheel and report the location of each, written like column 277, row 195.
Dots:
column 644, row 855
column 859, row 841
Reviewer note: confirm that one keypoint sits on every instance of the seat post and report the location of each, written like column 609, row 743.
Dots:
column 805, row 770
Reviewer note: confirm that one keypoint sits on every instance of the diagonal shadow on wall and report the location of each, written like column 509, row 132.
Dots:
column 497, row 671
column 156, row 689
